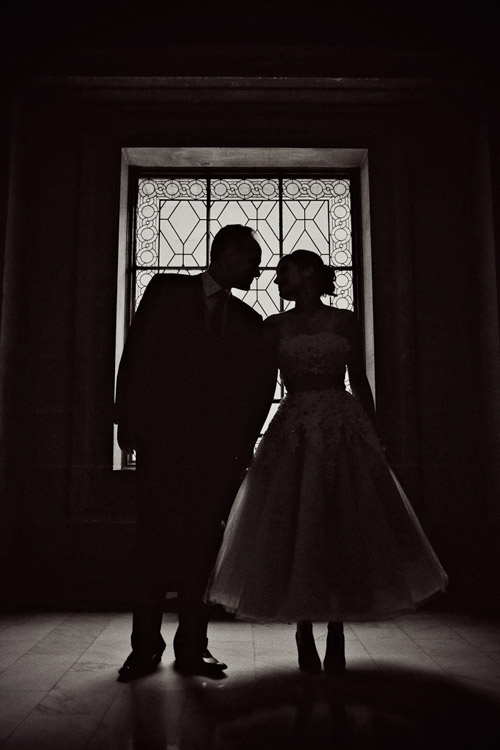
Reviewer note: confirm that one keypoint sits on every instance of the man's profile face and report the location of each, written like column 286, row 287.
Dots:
column 245, row 262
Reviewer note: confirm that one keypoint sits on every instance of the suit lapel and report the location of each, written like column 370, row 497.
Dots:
column 233, row 322
column 238, row 327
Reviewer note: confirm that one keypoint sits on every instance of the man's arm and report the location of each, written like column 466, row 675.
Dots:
column 132, row 372
column 264, row 377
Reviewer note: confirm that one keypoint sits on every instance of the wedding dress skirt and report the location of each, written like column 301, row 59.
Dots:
column 321, row 528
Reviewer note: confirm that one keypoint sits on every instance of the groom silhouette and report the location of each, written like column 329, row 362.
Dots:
column 193, row 389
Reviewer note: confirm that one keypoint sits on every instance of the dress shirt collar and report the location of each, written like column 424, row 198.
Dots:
column 210, row 286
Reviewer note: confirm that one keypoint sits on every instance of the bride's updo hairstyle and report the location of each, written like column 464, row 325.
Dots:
column 325, row 274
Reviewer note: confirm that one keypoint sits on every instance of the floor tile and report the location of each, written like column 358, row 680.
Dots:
column 58, row 687
column 11, row 624
column 61, row 643
column 483, row 639
column 11, row 651
column 80, row 692
column 84, row 625
column 469, row 668
column 52, row 733
column 15, row 705
column 140, row 719
column 390, row 646
column 230, row 631
column 105, row 652
column 445, row 646
column 32, row 629
column 35, row 672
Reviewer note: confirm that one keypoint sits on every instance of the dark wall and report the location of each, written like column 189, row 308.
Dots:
column 69, row 518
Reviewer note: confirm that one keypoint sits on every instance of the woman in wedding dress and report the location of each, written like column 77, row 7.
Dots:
column 321, row 530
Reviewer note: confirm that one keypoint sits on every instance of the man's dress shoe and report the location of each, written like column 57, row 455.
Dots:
column 137, row 666
column 207, row 666
column 208, row 658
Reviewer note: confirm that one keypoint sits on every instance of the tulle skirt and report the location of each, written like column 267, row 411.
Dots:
column 321, row 528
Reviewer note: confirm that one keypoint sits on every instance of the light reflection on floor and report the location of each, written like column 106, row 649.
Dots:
column 420, row 681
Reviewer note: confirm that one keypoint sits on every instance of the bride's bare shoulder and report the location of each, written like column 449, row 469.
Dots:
column 280, row 324
column 346, row 317
column 344, row 322
column 340, row 313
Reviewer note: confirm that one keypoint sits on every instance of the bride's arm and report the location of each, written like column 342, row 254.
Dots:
column 356, row 368
column 262, row 381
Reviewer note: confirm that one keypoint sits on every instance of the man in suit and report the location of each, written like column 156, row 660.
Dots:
column 193, row 390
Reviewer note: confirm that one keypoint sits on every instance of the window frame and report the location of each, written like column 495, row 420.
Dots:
column 349, row 164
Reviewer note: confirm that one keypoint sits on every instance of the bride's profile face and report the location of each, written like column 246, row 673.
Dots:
column 289, row 279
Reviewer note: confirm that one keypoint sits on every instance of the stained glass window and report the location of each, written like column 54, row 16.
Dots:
column 176, row 220
column 177, row 217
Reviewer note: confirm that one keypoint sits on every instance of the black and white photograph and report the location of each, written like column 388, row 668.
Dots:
column 249, row 376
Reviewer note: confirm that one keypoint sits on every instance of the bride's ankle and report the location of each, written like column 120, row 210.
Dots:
column 334, row 660
column 309, row 660
column 335, row 628
column 304, row 627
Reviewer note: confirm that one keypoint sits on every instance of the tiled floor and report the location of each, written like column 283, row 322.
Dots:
column 413, row 681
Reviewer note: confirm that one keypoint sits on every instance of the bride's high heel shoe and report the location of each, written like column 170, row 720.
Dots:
column 309, row 660
column 334, row 661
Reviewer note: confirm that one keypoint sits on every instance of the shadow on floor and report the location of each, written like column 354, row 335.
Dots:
column 373, row 710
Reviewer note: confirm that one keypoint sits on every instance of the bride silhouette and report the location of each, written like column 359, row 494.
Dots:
column 321, row 530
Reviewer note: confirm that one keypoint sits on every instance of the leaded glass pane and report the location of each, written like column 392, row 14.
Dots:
column 263, row 294
column 317, row 216
column 251, row 202
column 182, row 233
column 244, row 190
column 142, row 279
column 176, row 219
column 262, row 216
column 344, row 289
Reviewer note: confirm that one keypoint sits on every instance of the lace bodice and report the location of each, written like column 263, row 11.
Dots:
column 313, row 368
column 309, row 358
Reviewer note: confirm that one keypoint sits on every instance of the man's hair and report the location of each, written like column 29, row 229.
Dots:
column 232, row 235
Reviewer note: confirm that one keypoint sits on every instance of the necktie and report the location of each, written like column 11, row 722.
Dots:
column 217, row 315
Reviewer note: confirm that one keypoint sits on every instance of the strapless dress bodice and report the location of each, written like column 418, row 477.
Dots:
column 313, row 360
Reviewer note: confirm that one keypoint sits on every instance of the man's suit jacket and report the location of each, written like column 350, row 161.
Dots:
column 176, row 389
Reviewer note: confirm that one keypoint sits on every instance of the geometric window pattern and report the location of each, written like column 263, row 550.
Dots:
column 176, row 219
